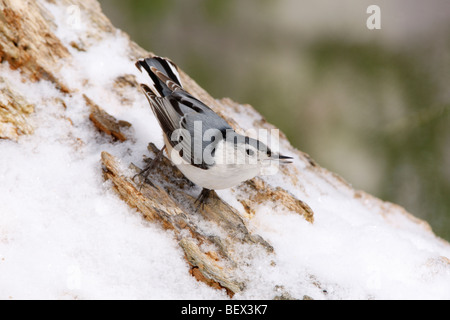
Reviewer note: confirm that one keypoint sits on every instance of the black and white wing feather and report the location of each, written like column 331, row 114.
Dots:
column 177, row 109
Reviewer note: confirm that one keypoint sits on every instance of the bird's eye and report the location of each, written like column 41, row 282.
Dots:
column 250, row 152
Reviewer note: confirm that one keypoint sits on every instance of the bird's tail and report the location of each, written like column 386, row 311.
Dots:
column 163, row 73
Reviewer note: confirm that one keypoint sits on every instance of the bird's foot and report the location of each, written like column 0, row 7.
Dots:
column 203, row 198
column 145, row 172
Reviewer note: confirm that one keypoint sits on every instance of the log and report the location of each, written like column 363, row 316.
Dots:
column 29, row 44
column 14, row 113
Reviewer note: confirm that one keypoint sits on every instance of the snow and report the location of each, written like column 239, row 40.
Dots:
column 64, row 233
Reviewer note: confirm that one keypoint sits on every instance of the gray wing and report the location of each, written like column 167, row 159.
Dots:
column 186, row 121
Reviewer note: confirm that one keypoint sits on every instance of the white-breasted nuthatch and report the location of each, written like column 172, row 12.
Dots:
column 203, row 146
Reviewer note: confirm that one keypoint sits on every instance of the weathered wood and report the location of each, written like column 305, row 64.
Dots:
column 105, row 122
column 257, row 191
column 28, row 43
column 157, row 205
column 215, row 210
column 14, row 113
column 168, row 200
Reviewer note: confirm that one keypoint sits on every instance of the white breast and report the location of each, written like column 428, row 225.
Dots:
column 217, row 177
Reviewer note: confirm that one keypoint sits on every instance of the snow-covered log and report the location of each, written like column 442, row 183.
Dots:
column 74, row 129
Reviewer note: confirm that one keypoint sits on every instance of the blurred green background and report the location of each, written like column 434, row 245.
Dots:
column 370, row 105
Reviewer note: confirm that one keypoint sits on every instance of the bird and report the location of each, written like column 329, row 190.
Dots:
column 201, row 144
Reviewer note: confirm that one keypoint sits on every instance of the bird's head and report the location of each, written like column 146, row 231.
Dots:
column 248, row 153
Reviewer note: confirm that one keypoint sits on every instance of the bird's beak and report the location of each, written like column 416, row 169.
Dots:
column 282, row 159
